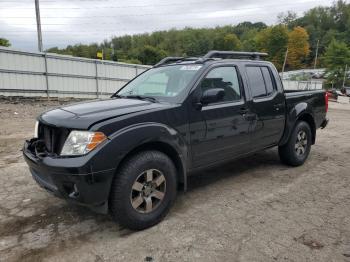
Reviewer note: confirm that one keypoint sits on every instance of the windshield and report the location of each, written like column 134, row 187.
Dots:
column 162, row 83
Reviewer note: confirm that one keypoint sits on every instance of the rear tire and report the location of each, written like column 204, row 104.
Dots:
column 143, row 190
column 297, row 149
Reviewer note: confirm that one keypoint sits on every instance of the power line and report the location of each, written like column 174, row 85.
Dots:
column 146, row 6
column 115, row 23
column 160, row 14
column 54, row 1
column 105, row 31
column 121, row 7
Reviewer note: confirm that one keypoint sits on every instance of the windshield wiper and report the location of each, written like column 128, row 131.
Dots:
column 117, row 96
column 149, row 98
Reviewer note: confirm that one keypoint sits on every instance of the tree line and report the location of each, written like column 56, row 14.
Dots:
column 324, row 28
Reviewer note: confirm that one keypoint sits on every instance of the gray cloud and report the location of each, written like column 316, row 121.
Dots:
column 85, row 21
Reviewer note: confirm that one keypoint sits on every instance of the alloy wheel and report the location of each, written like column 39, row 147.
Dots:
column 148, row 191
column 301, row 143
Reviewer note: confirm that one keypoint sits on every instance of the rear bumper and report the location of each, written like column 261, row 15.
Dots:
column 71, row 178
column 324, row 123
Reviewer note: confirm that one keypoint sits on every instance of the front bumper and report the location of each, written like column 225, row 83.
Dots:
column 71, row 178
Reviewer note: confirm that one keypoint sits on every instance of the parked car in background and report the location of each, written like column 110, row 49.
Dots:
column 333, row 94
column 347, row 91
column 127, row 154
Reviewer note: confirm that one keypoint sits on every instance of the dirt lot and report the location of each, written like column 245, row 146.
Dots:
column 254, row 209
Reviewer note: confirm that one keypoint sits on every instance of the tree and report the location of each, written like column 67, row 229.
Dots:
column 150, row 55
column 243, row 27
column 320, row 24
column 4, row 42
column 286, row 18
column 248, row 40
column 231, row 43
column 273, row 40
column 298, row 47
column 336, row 57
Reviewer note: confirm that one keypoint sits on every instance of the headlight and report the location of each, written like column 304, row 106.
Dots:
column 81, row 142
column 36, row 128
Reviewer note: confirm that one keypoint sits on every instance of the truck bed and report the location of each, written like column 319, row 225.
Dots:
column 311, row 100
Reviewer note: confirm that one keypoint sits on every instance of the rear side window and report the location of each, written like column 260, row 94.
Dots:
column 268, row 80
column 256, row 81
column 260, row 81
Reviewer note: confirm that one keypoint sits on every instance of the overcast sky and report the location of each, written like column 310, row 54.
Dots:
column 84, row 21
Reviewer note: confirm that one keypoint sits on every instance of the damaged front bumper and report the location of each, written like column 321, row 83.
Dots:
column 71, row 178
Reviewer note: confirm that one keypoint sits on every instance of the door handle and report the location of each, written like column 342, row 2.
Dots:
column 243, row 111
column 277, row 106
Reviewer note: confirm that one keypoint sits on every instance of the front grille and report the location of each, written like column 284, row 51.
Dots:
column 53, row 137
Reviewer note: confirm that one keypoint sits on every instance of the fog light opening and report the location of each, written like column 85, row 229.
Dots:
column 75, row 193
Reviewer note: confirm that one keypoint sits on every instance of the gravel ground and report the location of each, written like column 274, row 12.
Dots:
column 254, row 209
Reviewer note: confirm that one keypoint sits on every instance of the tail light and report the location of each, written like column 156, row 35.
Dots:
column 326, row 100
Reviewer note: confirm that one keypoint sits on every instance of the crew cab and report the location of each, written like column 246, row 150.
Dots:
column 128, row 154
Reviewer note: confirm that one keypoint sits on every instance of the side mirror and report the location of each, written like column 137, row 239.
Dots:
column 212, row 96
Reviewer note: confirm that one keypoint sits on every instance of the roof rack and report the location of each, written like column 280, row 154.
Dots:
column 171, row 59
column 167, row 60
column 211, row 55
column 234, row 54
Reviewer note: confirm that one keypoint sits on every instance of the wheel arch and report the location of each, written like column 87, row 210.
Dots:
column 300, row 112
column 308, row 118
column 165, row 148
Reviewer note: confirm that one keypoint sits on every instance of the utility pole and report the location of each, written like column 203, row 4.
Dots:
column 38, row 26
column 345, row 72
column 284, row 62
column 316, row 56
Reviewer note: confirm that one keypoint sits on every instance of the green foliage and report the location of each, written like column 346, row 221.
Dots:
column 273, row 40
column 150, row 48
column 321, row 24
column 336, row 57
column 4, row 42
column 231, row 43
column 150, row 55
column 324, row 24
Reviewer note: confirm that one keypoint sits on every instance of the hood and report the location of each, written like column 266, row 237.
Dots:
column 85, row 114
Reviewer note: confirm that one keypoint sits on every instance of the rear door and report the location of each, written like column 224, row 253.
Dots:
column 268, row 104
column 220, row 130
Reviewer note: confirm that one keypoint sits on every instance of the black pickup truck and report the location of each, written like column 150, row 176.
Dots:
column 127, row 154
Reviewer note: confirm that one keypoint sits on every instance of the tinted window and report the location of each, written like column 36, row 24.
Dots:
column 164, row 82
column 260, row 81
column 256, row 81
column 268, row 80
column 225, row 78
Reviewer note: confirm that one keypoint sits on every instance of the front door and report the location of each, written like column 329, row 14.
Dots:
column 219, row 131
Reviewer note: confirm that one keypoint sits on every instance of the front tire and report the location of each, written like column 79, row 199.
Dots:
column 143, row 190
column 297, row 149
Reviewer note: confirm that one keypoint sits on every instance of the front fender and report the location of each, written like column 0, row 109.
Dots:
column 131, row 137
column 127, row 139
